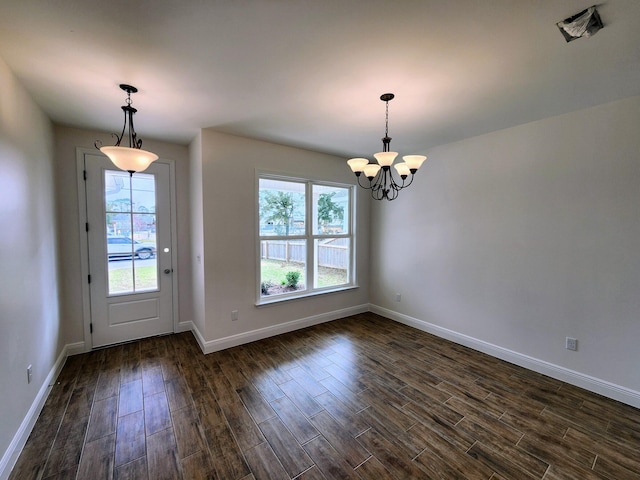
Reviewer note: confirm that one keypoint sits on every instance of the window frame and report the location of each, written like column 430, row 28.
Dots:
column 309, row 237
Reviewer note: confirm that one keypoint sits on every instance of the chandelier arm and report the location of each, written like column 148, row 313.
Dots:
column 124, row 127
column 392, row 195
column 392, row 192
column 134, row 141
column 378, row 185
column 393, row 184
column 129, row 111
column 405, row 185
column 361, row 185
column 388, row 185
column 395, row 187
column 377, row 194
column 132, row 131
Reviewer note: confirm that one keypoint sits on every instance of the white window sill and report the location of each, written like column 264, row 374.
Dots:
column 270, row 300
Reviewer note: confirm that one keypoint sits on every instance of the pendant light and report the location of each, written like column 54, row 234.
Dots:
column 132, row 158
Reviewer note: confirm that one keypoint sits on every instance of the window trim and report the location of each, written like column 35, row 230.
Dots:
column 309, row 236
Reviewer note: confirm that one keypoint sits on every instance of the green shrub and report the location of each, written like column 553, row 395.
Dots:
column 292, row 279
column 265, row 286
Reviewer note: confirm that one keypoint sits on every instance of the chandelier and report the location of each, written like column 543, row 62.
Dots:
column 132, row 158
column 381, row 181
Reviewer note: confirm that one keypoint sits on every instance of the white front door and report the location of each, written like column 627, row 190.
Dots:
column 130, row 258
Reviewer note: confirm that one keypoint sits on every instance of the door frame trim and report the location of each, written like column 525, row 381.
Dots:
column 84, row 242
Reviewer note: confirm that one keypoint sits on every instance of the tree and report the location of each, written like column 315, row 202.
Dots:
column 277, row 207
column 328, row 211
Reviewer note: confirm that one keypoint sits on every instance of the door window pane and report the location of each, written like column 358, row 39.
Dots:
column 120, row 277
column 131, row 232
column 146, row 276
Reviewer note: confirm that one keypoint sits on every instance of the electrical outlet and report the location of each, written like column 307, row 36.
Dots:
column 572, row 344
column 29, row 373
column 398, row 297
column 234, row 315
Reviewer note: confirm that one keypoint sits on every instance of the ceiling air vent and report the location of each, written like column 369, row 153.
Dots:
column 583, row 24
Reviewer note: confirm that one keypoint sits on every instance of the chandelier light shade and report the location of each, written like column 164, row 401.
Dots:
column 132, row 158
column 379, row 175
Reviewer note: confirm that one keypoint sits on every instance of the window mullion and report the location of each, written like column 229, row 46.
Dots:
column 311, row 268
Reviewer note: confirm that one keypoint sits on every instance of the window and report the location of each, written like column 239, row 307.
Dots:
column 305, row 237
column 130, row 205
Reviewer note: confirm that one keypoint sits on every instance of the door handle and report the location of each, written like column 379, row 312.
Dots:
column 168, row 270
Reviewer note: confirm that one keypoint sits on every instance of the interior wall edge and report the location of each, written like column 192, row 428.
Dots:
column 578, row 379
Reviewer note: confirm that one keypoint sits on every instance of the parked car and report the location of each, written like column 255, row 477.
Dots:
column 122, row 247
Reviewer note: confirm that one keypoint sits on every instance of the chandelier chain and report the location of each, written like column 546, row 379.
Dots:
column 386, row 128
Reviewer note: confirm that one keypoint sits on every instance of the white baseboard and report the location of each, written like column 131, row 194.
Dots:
column 184, row 327
column 260, row 333
column 596, row 385
column 199, row 337
column 76, row 348
column 12, row 453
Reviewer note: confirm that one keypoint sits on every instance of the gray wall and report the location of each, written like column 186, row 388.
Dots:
column 522, row 237
column 223, row 221
column 29, row 309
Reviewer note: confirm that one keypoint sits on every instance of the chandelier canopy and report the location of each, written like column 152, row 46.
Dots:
column 132, row 158
column 381, row 181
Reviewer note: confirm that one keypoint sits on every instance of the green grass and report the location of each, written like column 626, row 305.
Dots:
column 121, row 279
column 331, row 276
column 275, row 271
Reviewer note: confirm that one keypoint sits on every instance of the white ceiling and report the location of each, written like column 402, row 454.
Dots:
column 310, row 73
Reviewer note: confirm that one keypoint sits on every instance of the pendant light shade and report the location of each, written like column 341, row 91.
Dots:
column 385, row 159
column 132, row 158
column 402, row 168
column 414, row 162
column 129, row 159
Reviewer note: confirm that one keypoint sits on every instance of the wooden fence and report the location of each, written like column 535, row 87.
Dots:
column 332, row 256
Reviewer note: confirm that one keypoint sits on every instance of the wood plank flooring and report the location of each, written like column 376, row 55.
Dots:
column 357, row 398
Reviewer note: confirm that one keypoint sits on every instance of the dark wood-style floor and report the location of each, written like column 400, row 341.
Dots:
column 362, row 397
